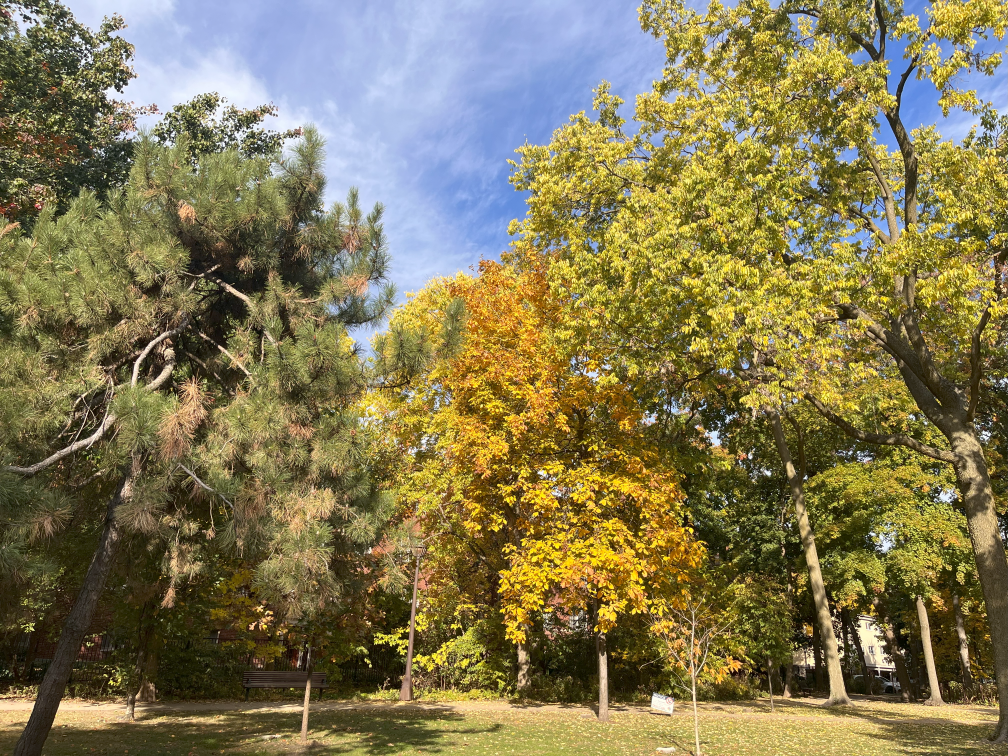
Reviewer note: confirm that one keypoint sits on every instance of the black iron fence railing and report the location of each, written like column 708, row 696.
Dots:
column 198, row 667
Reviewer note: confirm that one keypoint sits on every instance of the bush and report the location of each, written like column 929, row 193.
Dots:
column 462, row 663
column 982, row 693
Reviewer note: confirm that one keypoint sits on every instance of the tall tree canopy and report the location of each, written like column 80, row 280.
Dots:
column 177, row 363
column 534, row 459
column 774, row 218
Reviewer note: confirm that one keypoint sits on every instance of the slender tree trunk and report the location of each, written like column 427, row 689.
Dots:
column 307, row 700
column 54, row 683
column 917, row 672
column 523, row 669
column 769, row 675
column 693, row 677
column 964, row 661
column 30, row 653
column 406, row 690
column 932, row 672
column 855, row 628
column 848, row 656
column 838, row 693
column 603, row 677
column 817, row 657
column 973, row 479
column 789, row 679
column 893, row 649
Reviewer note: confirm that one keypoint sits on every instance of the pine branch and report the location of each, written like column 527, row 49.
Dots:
column 150, row 347
column 225, row 352
column 110, row 417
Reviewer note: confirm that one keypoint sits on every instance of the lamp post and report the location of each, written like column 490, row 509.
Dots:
column 406, row 692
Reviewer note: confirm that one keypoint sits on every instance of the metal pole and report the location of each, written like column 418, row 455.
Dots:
column 406, row 692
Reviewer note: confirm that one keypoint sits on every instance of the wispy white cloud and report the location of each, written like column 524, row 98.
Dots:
column 422, row 103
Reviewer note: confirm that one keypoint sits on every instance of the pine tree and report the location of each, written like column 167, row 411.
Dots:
column 181, row 352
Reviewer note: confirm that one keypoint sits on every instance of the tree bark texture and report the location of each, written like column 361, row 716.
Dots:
column 975, row 489
column 406, row 691
column 964, row 661
column 932, row 672
column 54, row 683
column 837, row 692
column 848, row 655
column 603, row 677
column 769, row 675
column 523, row 668
column 307, row 698
column 817, row 657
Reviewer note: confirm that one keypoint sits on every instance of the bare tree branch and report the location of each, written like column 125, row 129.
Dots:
column 243, row 297
column 204, row 486
column 225, row 352
column 84, row 443
column 879, row 438
column 976, row 369
column 150, row 347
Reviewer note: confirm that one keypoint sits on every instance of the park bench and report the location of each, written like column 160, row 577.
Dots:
column 269, row 679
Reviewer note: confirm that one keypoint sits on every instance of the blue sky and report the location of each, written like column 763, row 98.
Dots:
column 422, row 103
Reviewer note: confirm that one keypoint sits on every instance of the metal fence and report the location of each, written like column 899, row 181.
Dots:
column 199, row 667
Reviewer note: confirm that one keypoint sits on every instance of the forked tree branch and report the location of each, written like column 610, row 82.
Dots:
column 84, row 443
column 895, row 439
column 110, row 417
column 243, row 297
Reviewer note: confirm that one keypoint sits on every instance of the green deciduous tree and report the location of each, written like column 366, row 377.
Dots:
column 61, row 128
column 773, row 217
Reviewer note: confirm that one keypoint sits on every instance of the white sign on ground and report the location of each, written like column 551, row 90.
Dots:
column 662, row 703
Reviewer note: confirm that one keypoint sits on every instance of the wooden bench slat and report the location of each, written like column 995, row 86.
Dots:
column 273, row 679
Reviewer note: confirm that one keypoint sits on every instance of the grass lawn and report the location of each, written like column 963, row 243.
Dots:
column 744, row 729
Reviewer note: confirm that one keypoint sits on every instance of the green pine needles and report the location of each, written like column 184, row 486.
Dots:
column 181, row 352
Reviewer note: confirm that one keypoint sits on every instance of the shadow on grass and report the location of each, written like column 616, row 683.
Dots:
column 369, row 732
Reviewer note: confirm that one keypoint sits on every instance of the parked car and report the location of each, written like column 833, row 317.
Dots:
column 892, row 688
column 879, row 685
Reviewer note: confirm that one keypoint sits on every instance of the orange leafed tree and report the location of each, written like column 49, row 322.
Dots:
column 534, row 462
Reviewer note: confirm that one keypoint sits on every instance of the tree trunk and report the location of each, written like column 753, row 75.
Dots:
column 696, row 719
column 838, row 693
column 963, row 645
column 932, row 672
column 817, row 657
column 307, row 698
column 866, row 673
column 974, row 485
column 406, row 690
column 29, row 663
column 603, row 677
column 769, row 675
column 54, row 683
column 848, row 657
column 789, row 678
column 523, row 669
column 893, row 649
column 917, row 672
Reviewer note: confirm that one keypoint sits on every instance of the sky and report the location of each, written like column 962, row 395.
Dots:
column 422, row 103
